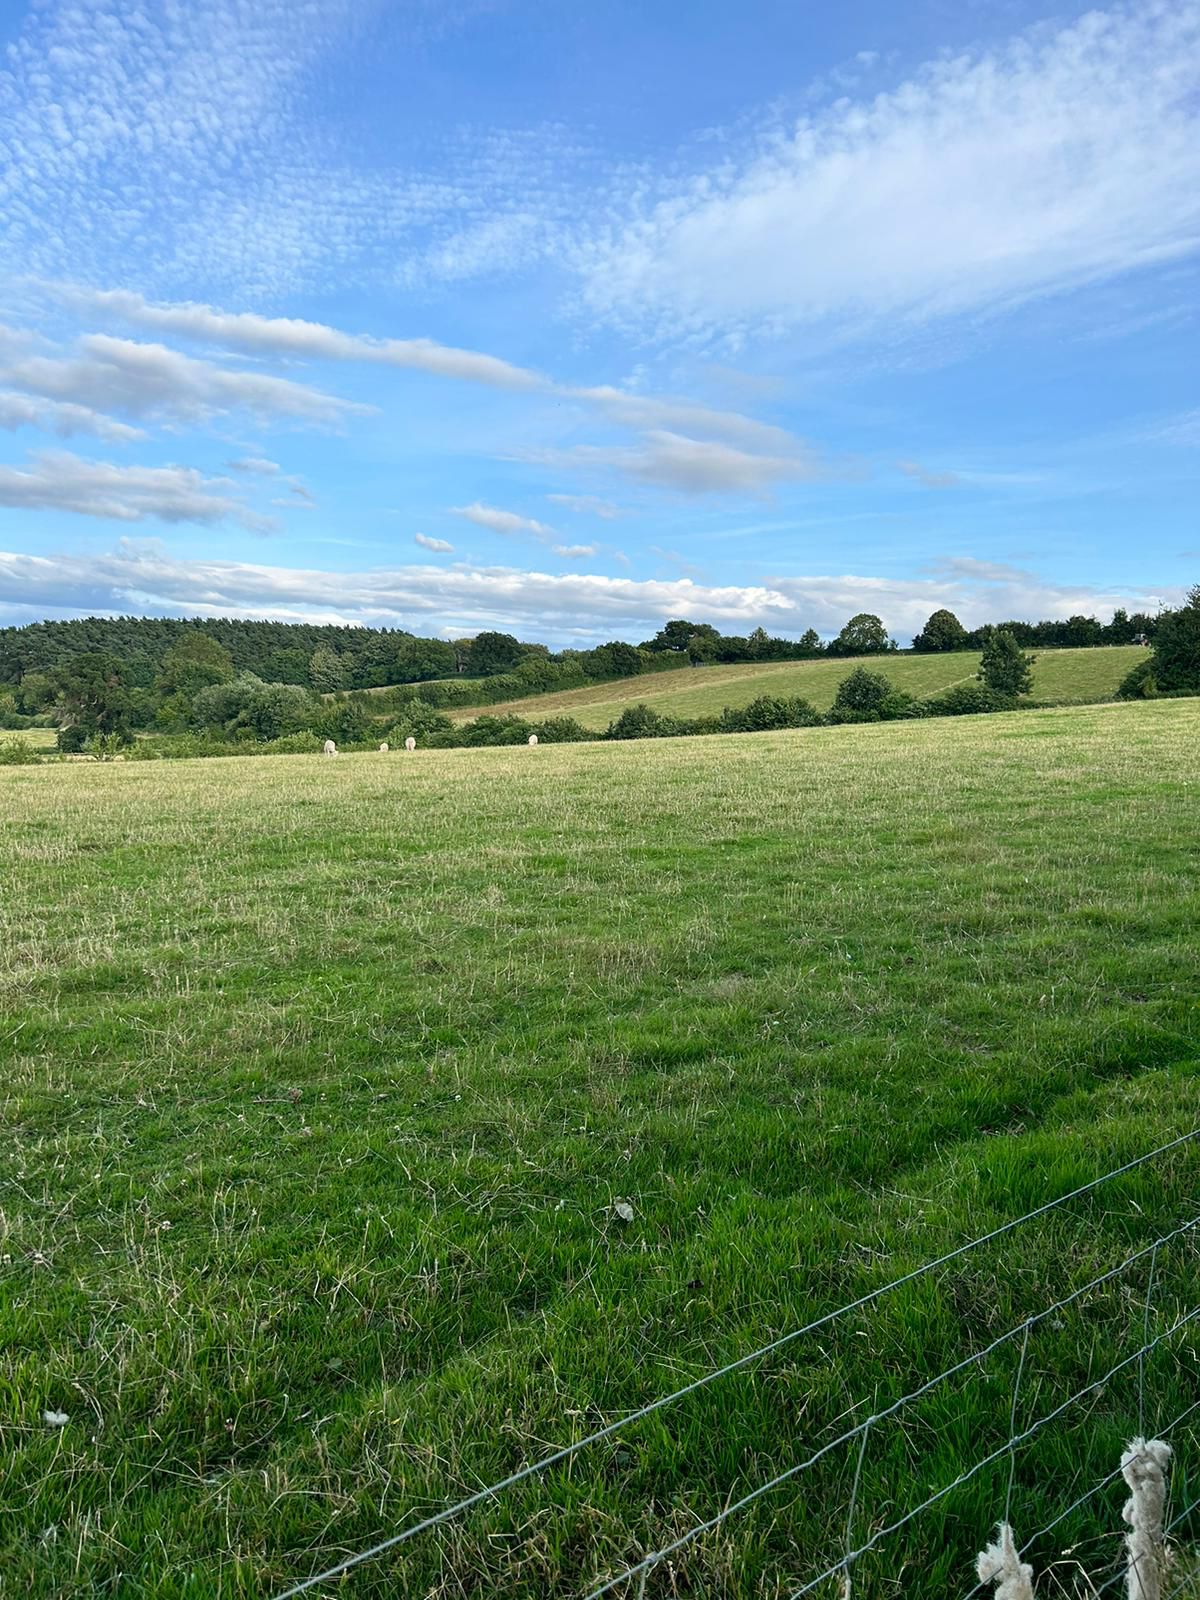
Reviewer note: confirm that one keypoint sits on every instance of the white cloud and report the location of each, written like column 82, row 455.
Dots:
column 587, row 505
column 1183, row 428
column 506, row 522
column 1061, row 158
column 692, row 466
column 149, row 380
column 574, row 552
column 64, row 418
column 124, row 124
column 537, row 604
column 290, row 336
column 426, row 543
column 682, row 416
column 260, row 466
column 928, row 478
column 57, row 480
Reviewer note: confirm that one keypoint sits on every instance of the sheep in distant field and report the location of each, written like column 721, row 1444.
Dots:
column 410, row 744
column 384, row 748
column 329, row 748
column 532, row 740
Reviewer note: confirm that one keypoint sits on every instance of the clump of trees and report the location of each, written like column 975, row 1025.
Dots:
column 943, row 631
column 870, row 697
column 863, row 635
column 101, row 680
column 1003, row 666
column 1173, row 666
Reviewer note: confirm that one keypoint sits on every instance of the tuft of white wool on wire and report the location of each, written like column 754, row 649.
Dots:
column 410, row 744
column 1144, row 1468
column 1002, row 1565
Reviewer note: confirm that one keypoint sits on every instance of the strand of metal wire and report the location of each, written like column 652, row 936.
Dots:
column 1088, row 1494
column 849, row 1559
column 556, row 1457
column 863, row 1427
column 1192, row 1577
column 1191, row 1580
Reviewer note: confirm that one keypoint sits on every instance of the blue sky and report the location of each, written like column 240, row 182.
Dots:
column 566, row 318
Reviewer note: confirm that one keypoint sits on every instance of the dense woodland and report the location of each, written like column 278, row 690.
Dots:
column 100, row 681
column 327, row 657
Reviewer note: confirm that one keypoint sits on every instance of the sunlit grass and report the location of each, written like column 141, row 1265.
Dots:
column 703, row 691
column 35, row 738
column 321, row 1080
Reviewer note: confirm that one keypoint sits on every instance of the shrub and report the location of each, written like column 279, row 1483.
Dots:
column 562, row 730
column 1140, row 683
column 344, row 721
column 769, row 711
column 418, row 720
column 17, row 753
column 492, row 730
column 1176, row 657
column 72, row 739
column 863, row 694
column 966, row 700
column 304, row 743
column 898, row 706
column 184, row 746
column 468, row 691
column 10, row 716
column 1004, row 666
column 191, row 746
column 640, row 722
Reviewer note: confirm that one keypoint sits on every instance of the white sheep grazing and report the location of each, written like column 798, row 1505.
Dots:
column 384, row 748
column 329, row 748
column 410, row 744
column 532, row 740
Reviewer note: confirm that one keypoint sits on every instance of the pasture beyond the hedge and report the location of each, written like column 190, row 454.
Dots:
column 1058, row 675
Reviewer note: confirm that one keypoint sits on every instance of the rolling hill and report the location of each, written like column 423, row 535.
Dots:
column 1061, row 675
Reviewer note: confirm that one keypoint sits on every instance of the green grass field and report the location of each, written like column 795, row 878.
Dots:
column 36, row 738
column 321, row 1081
column 1081, row 675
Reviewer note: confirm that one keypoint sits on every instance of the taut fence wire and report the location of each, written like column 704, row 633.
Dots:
column 843, row 1567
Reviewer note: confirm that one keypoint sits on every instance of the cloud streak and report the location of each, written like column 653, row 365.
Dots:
column 467, row 597
column 152, row 381
column 667, row 460
column 654, row 416
column 63, row 417
column 56, row 480
column 1064, row 157
column 509, row 523
column 587, row 505
column 311, row 341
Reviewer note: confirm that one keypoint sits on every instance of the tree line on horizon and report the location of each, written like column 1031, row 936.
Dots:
column 198, row 691
column 327, row 657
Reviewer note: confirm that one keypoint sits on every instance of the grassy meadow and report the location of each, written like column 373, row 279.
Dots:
column 40, row 739
column 322, row 1082
column 1061, row 675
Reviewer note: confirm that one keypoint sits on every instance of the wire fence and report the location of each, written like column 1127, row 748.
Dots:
column 842, row 1569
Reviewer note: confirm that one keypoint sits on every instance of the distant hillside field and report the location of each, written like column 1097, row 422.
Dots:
column 1080, row 675
column 36, row 738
